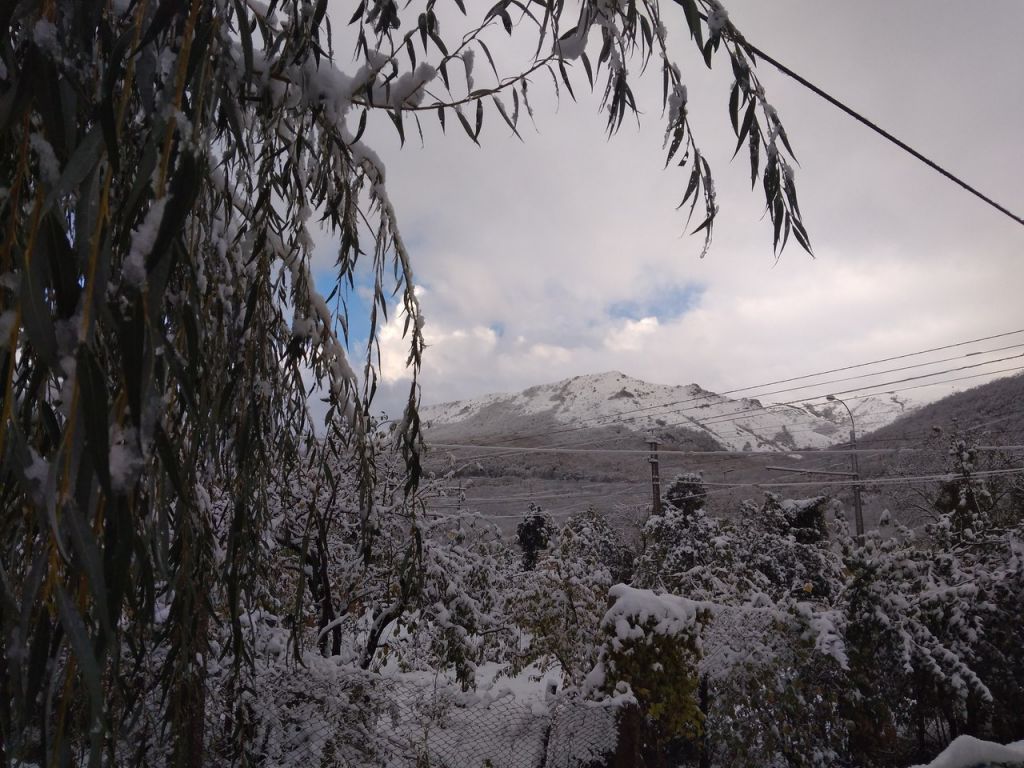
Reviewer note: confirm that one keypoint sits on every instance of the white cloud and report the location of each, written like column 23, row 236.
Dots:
column 524, row 247
column 631, row 336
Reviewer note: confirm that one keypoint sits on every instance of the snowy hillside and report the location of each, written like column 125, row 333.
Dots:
column 615, row 399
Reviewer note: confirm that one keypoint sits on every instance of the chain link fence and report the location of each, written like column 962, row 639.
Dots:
column 301, row 717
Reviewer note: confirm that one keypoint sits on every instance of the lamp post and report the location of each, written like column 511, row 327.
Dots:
column 857, row 510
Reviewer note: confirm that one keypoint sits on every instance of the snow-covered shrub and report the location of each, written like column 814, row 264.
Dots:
column 914, row 617
column 785, row 551
column 558, row 606
column 587, row 537
column 782, row 707
column 454, row 617
column 779, row 549
column 651, row 647
column 689, row 553
column 686, row 493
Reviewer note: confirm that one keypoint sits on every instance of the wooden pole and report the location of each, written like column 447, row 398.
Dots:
column 655, row 479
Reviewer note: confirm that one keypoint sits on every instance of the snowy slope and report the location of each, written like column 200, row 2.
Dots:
column 615, row 399
column 871, row 413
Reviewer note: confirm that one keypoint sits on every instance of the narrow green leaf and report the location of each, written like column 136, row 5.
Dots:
column 396, row 118
column 466, row 125
column 83, row 160
column 362, row 125
column 755, row 144
column 693, row 21
column 78, row 636
column 677, row 138
column 734, row 108
column 691, row 187
column 410, row 50
column 490, row 59
column 35, row 311
column 748, row 121
column 501, row 111
column 95, row 410
column 84, row 543
column 586, row 68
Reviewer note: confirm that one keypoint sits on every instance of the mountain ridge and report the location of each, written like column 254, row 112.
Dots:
column 613, row 398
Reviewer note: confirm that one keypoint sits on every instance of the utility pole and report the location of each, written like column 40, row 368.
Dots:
column 653, row 443
column 857, row 509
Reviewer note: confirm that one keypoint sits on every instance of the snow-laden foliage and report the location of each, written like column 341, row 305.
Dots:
column 819, row 647
column 929, row 621
column 779, row 548
column 650, row 650
column 558, row 605
column 781, row 707
column 688, row 554
column 425, row 596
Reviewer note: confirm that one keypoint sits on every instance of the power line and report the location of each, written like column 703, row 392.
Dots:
column 896, row 370
column 884, row 391
column 739, row 414
column 671, row 452
column 721, row 487
column 877, row 362
column 884, row 388
column 882, row 132
column 884, row 384
column 517, row 450
column 944, row 477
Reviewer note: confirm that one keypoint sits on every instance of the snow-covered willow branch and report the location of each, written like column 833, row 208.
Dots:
column 400, row 39
column 161, row 320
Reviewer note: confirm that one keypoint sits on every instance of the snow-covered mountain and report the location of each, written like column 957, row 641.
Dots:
column 614, row 399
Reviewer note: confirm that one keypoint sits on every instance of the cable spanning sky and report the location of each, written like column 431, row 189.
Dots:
column 564, row 254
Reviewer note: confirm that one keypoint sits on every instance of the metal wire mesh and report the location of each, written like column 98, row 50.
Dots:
column 296, row 719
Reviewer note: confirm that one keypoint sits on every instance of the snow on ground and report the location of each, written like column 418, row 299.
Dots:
column 969, row 752
column 508, row 722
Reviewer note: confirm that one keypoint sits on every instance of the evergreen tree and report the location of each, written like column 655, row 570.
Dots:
column 533, row 535
column 686, row 493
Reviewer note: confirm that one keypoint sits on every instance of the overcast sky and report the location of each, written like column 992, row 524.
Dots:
column 565, row 255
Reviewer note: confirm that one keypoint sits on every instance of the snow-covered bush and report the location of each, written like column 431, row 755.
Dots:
column 651, row 647
column 587, row 537
column 454, row 619
column 686, row 493
column 785, row 550
column 780, row 549
column 915, row 615
column 689, row 553
column 780, row 706
column 558, row 606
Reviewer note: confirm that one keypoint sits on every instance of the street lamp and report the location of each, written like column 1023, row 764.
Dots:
column 857, row 510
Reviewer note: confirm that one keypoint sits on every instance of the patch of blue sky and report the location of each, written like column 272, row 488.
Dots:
column 665, row 303
column 355, row 298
